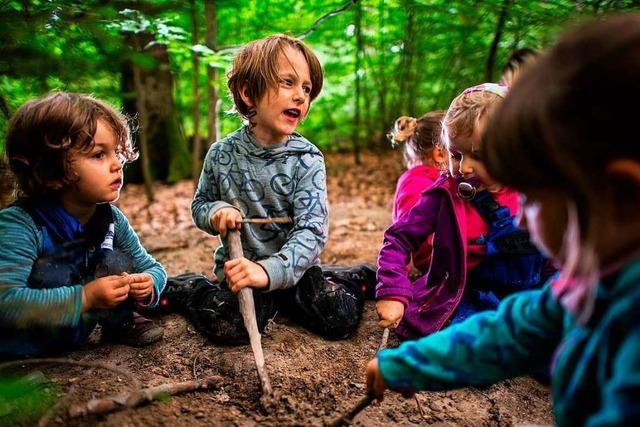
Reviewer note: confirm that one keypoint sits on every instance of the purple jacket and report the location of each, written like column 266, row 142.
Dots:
column 433, row 298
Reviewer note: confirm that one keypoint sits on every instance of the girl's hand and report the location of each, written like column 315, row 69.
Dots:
column 141, row 287
column 241, row 272
column 375, row 382
column 226, row 219
column 390, row 313
column 105, row 292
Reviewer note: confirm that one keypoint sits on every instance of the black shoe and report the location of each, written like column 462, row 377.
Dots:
column 328, row 307
column 176, row 294
column 363, row 276
column 137, row 331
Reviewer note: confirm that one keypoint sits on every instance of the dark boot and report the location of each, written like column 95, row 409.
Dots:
column 136, row 331
column 177, row 293
column 362, row 276
column 327, row 307
column 215, row 312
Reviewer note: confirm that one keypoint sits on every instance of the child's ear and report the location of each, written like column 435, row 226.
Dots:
column 623, row 177
column 244, row 94
column 439, row 154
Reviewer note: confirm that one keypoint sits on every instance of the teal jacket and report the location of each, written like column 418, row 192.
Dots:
column 595, row 367
column 24, row 310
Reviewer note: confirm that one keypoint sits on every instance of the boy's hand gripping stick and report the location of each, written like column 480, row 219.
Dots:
column 248, row 311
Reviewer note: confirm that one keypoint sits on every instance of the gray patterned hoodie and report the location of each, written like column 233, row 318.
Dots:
column 267, row 182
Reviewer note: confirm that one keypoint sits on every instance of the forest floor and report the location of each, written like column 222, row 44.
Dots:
column 314, row 380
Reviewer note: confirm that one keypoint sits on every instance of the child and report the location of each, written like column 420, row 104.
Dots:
column 478, row 256
column 265, row 170
column 517, row 61
column 425, row 159
column 564, row 139
column 68, row 258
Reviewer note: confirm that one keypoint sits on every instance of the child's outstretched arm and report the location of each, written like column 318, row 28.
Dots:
column 21, row 306
column 401, row 240
column 520, row 337
column 148, row 276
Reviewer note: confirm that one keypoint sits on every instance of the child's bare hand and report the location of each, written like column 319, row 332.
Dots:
column 375, row 382
column 241, row 272
column 226, row 219
column 390, row 312
column 105, row 292
column 141, row 286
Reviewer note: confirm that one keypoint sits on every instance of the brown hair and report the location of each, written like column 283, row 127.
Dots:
column 255, row 69
column 566, row 119
column 516, row 62
column 420, row 136
column 43, row 131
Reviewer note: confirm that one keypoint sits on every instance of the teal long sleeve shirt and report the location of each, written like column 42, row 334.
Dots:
column 22, row 307
column 595, row 367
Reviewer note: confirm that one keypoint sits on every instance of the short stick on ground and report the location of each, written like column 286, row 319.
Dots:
column 138, row 397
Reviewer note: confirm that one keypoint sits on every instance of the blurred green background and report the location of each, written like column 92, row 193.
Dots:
column 164, row 62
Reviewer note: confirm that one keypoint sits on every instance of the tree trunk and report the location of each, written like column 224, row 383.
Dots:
column 213, row 101
column 357, row 124
column 407, row 61
column 196, row 153
column 382, row 81
column 143, row 134
column 169, row 157
column 491, row 60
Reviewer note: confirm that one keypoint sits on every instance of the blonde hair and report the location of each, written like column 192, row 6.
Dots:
column 255, row 70
column 420, row 136
column 465, row 111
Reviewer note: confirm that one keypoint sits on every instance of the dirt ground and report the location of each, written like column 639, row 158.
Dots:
column 314, row 380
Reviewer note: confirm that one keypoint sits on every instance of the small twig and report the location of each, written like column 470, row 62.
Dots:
column 276, row 220
column 195, row 360
column 138, row 397
column 384, row 340
column 63, row 361
column 347, row 418
column 328, row 15
column 415, row 396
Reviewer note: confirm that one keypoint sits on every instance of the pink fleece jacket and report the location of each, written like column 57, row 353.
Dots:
column 411, row 184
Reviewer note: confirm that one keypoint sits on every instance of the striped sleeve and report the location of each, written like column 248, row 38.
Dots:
column 128, row 242
column 21, row 306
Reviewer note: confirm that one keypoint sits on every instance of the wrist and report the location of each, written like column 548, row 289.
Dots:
column 86, row 303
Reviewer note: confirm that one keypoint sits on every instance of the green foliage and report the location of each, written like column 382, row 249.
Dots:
column 416, row 54
column 23, row 400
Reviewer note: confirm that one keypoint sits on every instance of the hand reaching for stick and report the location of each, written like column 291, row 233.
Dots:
column 390, row 313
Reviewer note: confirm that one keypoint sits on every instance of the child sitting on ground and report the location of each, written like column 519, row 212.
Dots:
column 478, row 256
column 565, row 140
column 425, row 159
column 68, row 258
column 265, row 170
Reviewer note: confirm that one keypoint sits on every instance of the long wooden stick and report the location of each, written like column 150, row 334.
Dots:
column 138, row 397
column 248, row 311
